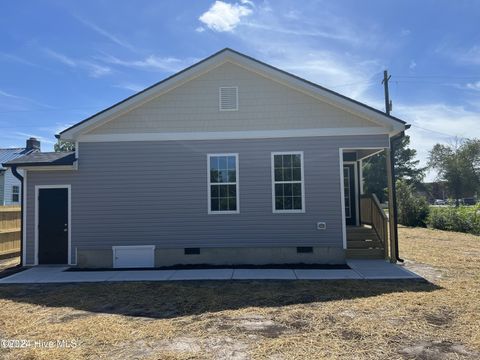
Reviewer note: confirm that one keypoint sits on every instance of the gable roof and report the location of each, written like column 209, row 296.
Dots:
column 10, row 154
column 229, row 55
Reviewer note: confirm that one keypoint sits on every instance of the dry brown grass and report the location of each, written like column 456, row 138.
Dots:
column 260, row 320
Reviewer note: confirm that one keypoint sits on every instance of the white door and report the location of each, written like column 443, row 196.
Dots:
column 134, row 256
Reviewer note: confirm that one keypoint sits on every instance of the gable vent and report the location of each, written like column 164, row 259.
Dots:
column 228, row 100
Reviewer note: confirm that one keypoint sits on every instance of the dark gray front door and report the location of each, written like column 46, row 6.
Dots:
column 349, row 193
column 53, row 226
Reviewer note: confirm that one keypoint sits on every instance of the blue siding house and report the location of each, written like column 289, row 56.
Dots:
column 230, row 161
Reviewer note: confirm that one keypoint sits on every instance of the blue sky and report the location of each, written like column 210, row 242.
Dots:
column 61, row 61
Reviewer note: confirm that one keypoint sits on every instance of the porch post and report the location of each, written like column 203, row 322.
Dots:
column 391, row 208
column 360, row 172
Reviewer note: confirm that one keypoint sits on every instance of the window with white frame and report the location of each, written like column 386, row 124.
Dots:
column 223, row 183
column 15, row 193
column 287, row 182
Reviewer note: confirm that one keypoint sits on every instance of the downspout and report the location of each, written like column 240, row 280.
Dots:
column 20, row 177
column 393, row 140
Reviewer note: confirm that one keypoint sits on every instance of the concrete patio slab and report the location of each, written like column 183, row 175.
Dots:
column 142, row 275
column 202, row 274
column 381, row 269
column 264, row 274
column 360, row 269
column 318, row 274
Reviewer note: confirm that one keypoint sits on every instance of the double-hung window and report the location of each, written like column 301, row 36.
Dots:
column 223, row 184
column 15, row 193
column 288, row 193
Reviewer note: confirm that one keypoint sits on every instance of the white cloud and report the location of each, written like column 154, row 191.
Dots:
column 130, row 87
column 437, row 123
column 405, row 32
column 61, row 57
column 22, row 135
column 152, row 62
column 223, row 16
column 412, row 65
column 94, row 70
column 473, row 86
column 345, row 74
column 19, row 102
column 105, row 33
column 17, row 59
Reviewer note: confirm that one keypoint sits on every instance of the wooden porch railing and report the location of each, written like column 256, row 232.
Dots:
column 373, row 214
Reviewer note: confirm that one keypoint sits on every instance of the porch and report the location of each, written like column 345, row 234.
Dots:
column 367, row 224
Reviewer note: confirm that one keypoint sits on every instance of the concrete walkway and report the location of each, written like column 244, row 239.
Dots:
column 360, row 269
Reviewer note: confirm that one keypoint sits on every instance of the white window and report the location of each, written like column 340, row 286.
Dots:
column 228, row 98
column 223, row 184
column 288, row 194
column 15, row 193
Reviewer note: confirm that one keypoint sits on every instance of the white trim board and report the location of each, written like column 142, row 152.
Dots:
column 24, row 220
column 342, row 199
column 225, row 135
column 63, row 186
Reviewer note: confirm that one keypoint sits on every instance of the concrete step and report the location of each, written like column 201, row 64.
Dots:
column 365, row 254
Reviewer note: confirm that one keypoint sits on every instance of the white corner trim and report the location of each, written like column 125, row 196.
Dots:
column 24, row 219
column 226, row 135
column 69, row 187
column 296, row 211
column 342, row 199
column 237, row 185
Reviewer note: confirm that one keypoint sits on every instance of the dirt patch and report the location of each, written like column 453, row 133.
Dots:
column 426, row 271
column 226, row 348
column 441, row 317
column 437, row 350
column 74, row 315
column 350, row 335
column 254, row 324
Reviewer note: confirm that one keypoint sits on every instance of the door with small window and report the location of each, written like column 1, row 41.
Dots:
column 349, row 181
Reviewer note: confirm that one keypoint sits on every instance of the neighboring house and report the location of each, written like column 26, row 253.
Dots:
column 10, row 186
column 230, row 161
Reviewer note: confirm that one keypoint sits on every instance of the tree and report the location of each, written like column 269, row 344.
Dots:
column 458, row 165
column 406, row 169
column 412, row 208
column 62, row 146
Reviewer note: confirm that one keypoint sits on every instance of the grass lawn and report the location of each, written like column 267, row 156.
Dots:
column 271, row 319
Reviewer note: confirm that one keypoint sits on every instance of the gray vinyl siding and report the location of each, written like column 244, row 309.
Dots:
column 2, row 177
column 155, row 193
column 8, row 182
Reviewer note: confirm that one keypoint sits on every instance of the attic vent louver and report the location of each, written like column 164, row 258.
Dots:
column 228, row 98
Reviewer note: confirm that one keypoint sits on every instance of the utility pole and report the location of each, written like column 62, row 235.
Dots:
column 392, row 193
column 388, row 102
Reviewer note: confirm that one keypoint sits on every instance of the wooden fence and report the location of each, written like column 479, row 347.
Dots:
column 9, row 231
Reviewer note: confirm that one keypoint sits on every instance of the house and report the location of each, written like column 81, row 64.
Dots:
column 10, row 187
column 230, row 161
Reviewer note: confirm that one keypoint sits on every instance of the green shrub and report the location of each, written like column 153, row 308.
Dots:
column 462, row 219
column 412, row 209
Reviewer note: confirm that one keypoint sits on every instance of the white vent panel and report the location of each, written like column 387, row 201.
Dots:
column 228, row 98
